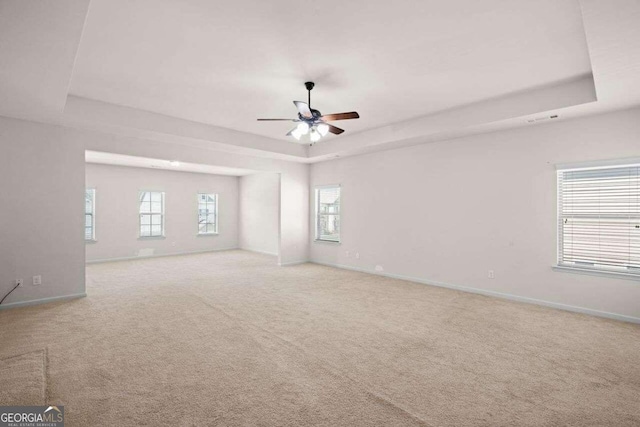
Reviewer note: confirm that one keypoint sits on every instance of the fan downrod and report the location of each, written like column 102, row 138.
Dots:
column 309, row 86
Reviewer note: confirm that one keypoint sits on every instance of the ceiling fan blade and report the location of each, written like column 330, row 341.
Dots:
column 334, row 130
column 303, row 109
column 276, row 120
column 340, row 116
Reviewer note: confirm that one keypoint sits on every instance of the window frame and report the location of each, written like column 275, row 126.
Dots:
column 93, row 216
column 602, row 270
column 317, row 190
column 216, row 216
column 161, row 214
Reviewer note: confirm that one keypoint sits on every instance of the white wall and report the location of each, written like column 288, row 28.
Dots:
column 117, row 214
column 41, row 211
column 294, row 179
column 37, row 157
column 448, row 212
column 260, row 212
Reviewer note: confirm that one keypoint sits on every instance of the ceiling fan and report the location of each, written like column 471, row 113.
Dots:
column 312, row 122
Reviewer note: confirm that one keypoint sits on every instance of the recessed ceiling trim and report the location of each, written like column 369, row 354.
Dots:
column 90, row 114
column 552, row 97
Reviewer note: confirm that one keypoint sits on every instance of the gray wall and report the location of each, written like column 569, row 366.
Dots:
column 41, row 211
column 260, row 212
column 448, row 212
column 117, row 232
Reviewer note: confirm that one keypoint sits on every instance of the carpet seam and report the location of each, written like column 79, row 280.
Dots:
column 43, row 353
column 45, row 374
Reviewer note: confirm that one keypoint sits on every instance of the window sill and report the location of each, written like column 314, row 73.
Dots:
column 206, row 234
column 594, row 272
column 151, row 238
column 330, row 242
column 91, row 241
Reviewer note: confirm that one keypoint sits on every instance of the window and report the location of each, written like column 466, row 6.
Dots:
column 90, row 214
column 599, row 219
column 207, row 213
column 151, row 214
column 328, row 213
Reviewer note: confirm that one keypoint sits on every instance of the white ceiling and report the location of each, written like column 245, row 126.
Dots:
column 38, row 44
column 196, row 72
column 228, row 63
column 173, row 165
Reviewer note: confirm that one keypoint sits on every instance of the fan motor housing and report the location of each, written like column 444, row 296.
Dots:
column 315, row 116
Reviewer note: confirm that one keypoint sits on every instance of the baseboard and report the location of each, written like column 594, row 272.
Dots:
column 511, row 297
column 287, row 264
column 41, row 301
column 259, row 251
column 98, row 261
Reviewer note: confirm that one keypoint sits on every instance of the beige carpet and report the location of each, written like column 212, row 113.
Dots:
column 22, row 379
column 230, row 339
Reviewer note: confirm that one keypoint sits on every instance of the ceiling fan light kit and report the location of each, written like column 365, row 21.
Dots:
column 312, row 122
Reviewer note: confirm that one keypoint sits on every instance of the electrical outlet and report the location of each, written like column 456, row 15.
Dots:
column 37, row 280
column 357, row 255
column 19, row 282
column 491, row 274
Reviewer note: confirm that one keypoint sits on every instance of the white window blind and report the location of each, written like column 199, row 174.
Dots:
column 328, row 213
column 151, row 214
column 599, row 218
column 90, row 214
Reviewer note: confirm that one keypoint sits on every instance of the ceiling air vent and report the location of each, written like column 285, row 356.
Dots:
column 541, row 119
